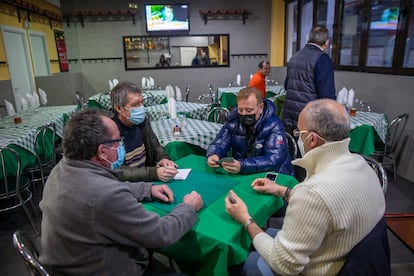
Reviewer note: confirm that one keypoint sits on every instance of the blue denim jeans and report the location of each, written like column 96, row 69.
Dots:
column 255, row 265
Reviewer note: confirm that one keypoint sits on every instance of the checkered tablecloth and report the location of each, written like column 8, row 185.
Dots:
column 23, row 134
column 151, row 97
column 196, row 132
column 276, row 89
column 377, row 120
column 192, row 110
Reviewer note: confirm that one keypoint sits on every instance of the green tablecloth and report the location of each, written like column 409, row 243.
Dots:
column 216, row 241
column 21, row 136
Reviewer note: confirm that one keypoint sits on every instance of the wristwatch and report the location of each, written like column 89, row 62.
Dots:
column 247, row 223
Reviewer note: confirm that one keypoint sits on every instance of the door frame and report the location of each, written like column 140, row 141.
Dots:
column 29, row 66
column 46, row 52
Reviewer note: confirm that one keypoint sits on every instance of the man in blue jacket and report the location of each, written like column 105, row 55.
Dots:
column 255, row 136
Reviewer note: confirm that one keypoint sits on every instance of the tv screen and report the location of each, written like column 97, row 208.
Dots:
column 167, row 18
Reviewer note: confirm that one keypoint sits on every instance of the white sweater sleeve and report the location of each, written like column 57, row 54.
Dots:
column 304, row 228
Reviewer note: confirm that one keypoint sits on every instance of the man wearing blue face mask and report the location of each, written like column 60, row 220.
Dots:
column 255, row 136
column 95, row 224
column 145, row 158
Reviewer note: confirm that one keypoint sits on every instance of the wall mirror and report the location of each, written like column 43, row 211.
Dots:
column 165, row 52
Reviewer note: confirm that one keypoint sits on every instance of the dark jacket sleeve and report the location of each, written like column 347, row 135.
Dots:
column 324, row 78
column 155, row 152
column 221, row 143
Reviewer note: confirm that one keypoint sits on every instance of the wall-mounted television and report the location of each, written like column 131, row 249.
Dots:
column 167, row 18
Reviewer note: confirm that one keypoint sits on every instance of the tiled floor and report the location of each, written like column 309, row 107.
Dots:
column 400, row 198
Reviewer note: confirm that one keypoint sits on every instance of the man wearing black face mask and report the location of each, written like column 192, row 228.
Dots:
column 255, row 136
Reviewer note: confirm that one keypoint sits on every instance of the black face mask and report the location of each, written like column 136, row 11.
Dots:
column 248, row 120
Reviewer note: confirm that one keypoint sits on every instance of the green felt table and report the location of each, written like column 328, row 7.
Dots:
column 216, row 241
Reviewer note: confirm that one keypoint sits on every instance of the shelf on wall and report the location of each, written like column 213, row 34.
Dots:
column 101, row 59
column 254, row 55
column 225, row 14
column 99, row 16
column 32, row 8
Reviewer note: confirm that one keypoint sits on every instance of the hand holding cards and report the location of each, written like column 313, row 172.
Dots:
column 225, row 159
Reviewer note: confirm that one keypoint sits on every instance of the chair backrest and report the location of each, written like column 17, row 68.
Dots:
column 371, row 256
column 25, row 246
column 187, row 93
column 80, row 101
column 363, row 105
column 293, row 147
column 11, row 172
column 395, row 131
column 205, row 98
column 379, row 170
column 44, row 144
column 218, row 114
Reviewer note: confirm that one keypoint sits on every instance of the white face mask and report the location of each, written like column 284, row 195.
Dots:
column 301, row 145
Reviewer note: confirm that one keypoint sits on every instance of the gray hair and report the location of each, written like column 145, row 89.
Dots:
column 318, row 35
column 84, row 132
column 119, row 94
column 323, row 117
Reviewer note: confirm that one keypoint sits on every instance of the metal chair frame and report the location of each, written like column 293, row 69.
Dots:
column 43, row 161
column 187, row 93
column 293, row 147
column 379, row 170
column 16, row 191
column 26, row 248
column 218, row 114
column 394, row 134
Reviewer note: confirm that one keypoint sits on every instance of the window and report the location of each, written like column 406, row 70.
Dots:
column 366, row 35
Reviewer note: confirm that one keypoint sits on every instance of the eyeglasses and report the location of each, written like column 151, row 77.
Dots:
column 297, row 132
column 120, row 141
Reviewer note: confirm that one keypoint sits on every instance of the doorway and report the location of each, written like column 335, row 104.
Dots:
column 39, row 52
column 18, row 60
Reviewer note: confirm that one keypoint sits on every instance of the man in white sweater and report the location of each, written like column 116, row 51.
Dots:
column 331, row 211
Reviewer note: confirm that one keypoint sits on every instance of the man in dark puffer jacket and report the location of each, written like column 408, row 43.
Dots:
column 255, row 135
column 310, row 76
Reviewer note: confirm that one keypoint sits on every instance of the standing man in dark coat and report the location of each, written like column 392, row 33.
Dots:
column 310, row 76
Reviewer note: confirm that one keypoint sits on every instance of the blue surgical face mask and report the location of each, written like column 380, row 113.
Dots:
column 137, row 115
column 121, row 157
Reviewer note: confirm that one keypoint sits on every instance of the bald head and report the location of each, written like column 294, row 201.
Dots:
column 326, row 117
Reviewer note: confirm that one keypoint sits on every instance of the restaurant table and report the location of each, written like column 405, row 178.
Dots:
column 216, row 241
column 402, row 225
column 151, row 97
column 227, row 95
column 21, row 136
column 189, row 109
column 366, row 129
column 194, row 132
